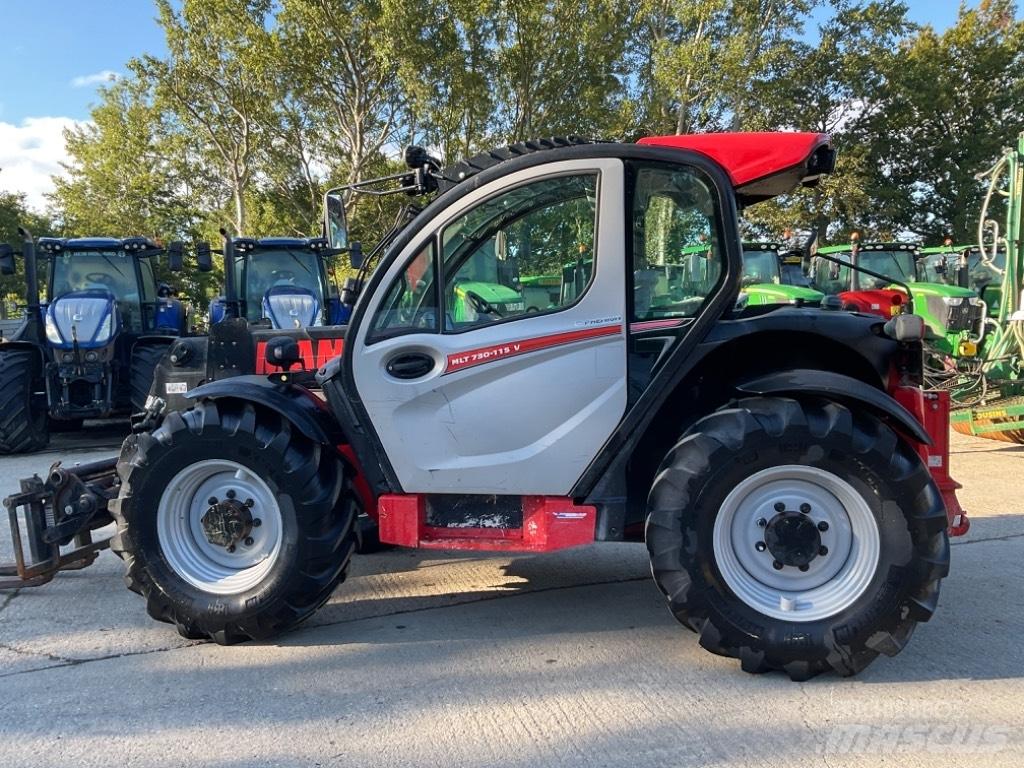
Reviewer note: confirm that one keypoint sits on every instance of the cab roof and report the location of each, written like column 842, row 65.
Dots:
column 760, row 165
column 845, row 248
column 272, row 243
column 54, row 244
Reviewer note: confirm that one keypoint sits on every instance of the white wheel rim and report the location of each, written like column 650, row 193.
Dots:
column 831, row 582
column 207, row 566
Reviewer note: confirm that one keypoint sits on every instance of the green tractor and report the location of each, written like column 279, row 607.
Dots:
column 954, row 316
column 969, row 266
column 764, row 282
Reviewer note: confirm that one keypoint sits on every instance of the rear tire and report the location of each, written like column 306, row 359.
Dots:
column 288, row 564
column 145, row 358
column 715, row 525
column 23, row 428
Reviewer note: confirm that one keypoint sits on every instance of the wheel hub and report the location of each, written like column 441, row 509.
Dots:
column 226, row 523
column 792, row 538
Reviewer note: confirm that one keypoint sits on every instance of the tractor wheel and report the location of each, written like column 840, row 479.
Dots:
column 145, row 358
column 798, row 536
column 231, row 524
column 22, row 426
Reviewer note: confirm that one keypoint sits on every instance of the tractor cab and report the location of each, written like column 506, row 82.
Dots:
column 969, row 266
column 282, row 283
column 763, row 280
column 889, row 278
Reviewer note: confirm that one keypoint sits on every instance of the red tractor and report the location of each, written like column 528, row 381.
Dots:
column 794, row 497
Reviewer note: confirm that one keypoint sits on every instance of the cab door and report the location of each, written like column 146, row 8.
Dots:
column 469, row 389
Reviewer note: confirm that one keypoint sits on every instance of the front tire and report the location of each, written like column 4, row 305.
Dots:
column 23, row 425
column 798, row 536
column 223, row 575
column 145, row 359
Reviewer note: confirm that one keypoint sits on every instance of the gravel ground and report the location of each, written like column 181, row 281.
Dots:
column 571, row 658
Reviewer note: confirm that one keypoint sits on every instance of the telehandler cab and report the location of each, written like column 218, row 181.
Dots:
column 784, row 466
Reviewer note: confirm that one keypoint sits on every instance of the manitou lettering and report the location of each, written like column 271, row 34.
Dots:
column 315, row 353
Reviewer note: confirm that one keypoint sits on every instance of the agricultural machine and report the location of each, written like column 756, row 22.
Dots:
column 892, row 279
column 990, row 388
column 89, row 350
column 763, row 280
column 970, row 266
column 784, row 465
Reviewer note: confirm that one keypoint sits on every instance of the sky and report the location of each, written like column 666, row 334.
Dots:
column 57, row 52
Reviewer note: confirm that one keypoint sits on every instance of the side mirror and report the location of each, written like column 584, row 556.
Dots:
column 355, row 255
column 283, row 352
column 6, row 259
column 204, row 257
column 175, row 257
column 833, row 270
column 335, row 225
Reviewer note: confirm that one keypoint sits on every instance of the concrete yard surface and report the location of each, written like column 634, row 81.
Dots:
column 567, row 659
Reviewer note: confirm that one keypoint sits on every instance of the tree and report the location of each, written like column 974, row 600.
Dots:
column 836, row 86
column 128, row 172
column 955, row 104
column 216, row 82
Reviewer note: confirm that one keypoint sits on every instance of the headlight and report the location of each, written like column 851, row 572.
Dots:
column 106, row 328
column 92, row 356
column 974, row 301
column 52, row 334
column 67, row 357
column 953, row 301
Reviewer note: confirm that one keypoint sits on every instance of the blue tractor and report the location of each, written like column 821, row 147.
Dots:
column 280, row 281
column 89, row 350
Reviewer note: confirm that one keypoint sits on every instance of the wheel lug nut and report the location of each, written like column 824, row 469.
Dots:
column 822, row 526
column 760, row 546
column 823, row 551
column 805, row 507
column 804, row 567
column 777, row 565
column 761, row 523
column 256, row 522
column 212, row 500
column 250, row 503
column 231, row 494
column 780, row 506
column 231, row 548
column 249, row 541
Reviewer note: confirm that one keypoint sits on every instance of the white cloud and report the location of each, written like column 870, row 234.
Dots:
column 96, row 78
column 30, row 153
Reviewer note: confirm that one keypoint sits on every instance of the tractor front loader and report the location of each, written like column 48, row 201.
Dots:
column 794, row 498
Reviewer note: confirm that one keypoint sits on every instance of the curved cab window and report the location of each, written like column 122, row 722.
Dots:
column 677, row 261
column 526, row 251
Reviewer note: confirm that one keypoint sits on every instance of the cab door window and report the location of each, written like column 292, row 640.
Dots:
column 410, row 305
column 677, row 259
column 527, row 251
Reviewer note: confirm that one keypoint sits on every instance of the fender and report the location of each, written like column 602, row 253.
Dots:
column 300, row 406
column 835, row 386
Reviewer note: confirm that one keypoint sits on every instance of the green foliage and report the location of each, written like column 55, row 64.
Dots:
column 14, row 213
column 260, row 105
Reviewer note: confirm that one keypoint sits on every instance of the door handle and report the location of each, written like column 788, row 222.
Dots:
column 410, row 365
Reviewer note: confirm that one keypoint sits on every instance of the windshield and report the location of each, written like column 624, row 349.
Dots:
column 760, row 266
column 793, row 274
column 935, row 268
column 264, row 269
column 898, row 265
column 110, row 271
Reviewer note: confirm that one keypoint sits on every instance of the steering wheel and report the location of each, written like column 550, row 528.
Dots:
column 99, row 277
column 481, row 306
column 285, row 275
